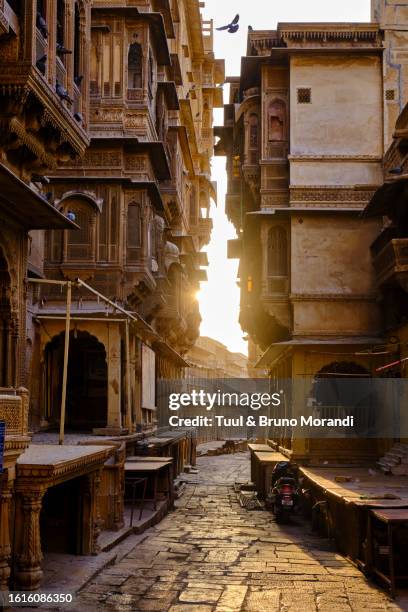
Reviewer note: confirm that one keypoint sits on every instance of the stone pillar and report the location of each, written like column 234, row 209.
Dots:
column 28, row 573
column 94, row 484
column 5, row 545
column 114, row 379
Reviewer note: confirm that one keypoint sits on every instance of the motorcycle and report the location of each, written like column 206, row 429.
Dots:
column 284, row 496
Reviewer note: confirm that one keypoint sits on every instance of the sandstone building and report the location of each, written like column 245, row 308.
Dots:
column 105, row 177
column 308, row 121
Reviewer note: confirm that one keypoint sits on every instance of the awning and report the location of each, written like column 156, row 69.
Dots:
column 276, row 348
column 388, row 198
column 26, row 207
column 167, row 351
column 176, row 69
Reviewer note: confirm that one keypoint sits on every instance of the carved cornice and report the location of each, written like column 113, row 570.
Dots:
column 316, row 195
column 335, row 158
column 33, row 144
column 330, row 32
column 333, row 297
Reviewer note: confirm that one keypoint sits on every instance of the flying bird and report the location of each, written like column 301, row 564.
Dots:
column 62, row 92
column 231, row 27
column 42, row 24
column 41, row 63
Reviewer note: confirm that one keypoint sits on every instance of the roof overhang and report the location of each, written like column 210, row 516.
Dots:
column 163, row 7
column 155, row 150
column 387, row 198
column 185, row 146
column 26, row 207
column 217, row 95
column 195, row 27
column 188, row 121
column 277, row 348
column 166, row 350
column 170, row 93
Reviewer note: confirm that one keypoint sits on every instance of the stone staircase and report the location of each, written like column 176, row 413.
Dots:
column 395, row 461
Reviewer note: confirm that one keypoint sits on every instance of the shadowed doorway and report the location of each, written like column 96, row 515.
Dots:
column 87, row 402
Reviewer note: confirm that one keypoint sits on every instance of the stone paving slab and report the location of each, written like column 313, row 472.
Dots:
column 210, row 555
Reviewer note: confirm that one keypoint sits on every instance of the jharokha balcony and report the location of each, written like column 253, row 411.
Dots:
column 390, row 259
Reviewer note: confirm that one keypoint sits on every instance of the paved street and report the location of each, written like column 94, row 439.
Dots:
column 211, row 555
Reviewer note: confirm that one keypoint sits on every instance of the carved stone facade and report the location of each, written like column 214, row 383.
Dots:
column 141, row 195
column 308, row 292
column 105, row 131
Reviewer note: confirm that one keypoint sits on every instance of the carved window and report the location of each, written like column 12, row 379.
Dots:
column 390, row 95
column 150, row 75
column 276, row 121
column 108, row 230
column 134, row 232
column 193, row 213
column 277, row 252
column 61, row 22
column 304, row 95
column 80, row 242
column 106, row 63
column 135, row 66
column 56, row 245
column 253, row 145
column 77, row 42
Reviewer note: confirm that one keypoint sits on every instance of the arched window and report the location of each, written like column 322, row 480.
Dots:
column 135, row 66
column 253, row 139
column 80, row 242
column 277, row 252
column 276, row 121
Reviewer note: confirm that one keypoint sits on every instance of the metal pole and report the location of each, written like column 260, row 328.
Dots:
column 128, row 391
column 65, row 367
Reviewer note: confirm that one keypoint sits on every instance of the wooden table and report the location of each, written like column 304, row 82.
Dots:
column 151, row 469
column 264, row 462
column 256, row 448
column 392, row 518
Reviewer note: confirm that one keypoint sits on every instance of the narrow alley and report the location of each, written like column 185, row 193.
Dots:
column 212, row 555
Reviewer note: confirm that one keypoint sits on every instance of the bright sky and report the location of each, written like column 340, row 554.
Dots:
column 219, row 297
